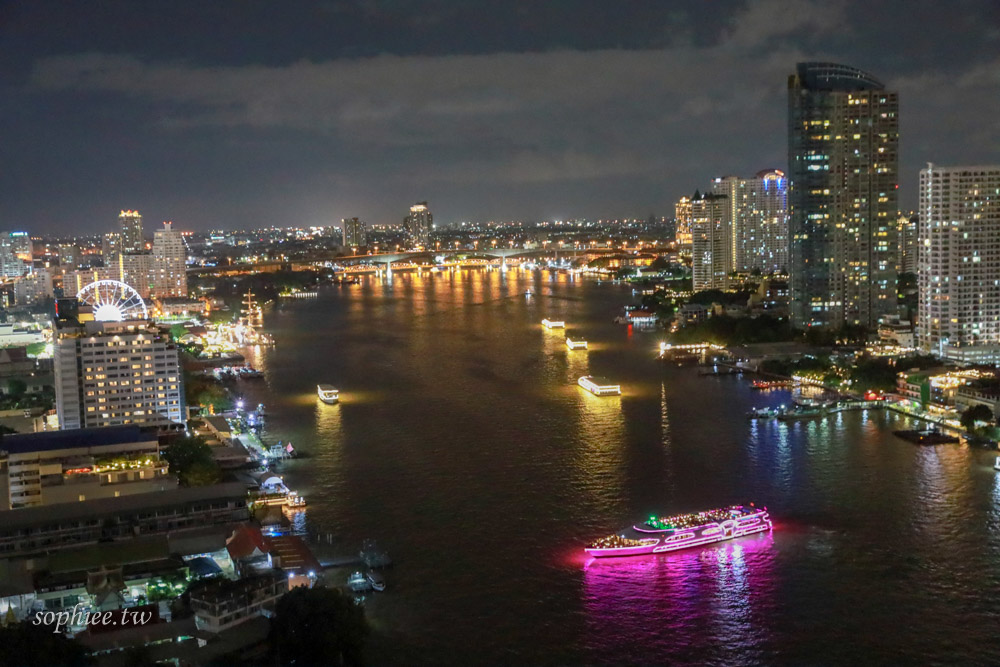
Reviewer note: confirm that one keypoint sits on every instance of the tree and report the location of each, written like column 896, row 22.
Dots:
column 30, row 645
column 660, row 264
column 318, row 626
column 876, row 374
column 178, row 331
column 202, row 474
column 191, row 460
column 205, row 391
column 16, row 387
column 975, row 414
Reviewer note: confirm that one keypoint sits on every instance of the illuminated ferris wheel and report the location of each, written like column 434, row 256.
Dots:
column 113, row 301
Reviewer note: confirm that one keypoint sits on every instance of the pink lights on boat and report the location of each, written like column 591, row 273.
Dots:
column 660, row 535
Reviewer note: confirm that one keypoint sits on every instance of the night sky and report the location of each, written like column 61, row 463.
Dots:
column 247, row 114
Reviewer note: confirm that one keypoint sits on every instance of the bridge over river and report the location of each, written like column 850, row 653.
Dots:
column 416, row 258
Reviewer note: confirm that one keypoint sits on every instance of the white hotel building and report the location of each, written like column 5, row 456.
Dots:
column 169, row 266
column 959, row 263
column 116, row 373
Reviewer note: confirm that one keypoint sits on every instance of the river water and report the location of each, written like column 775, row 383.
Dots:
column 463, row 445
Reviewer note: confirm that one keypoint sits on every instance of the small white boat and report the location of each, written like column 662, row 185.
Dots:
column 996, row 464
column 576, row 344
column 328, row 393
column 553, row 324
column 599, row 386
column 377, row 581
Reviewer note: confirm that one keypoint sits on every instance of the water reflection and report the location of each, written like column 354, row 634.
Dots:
column 708, row 605
column 600, row 450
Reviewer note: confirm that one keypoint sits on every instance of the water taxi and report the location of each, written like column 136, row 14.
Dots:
column 599, row 386
column 663, row 534
column 553, row 324
column 576, row 344
column 328, row 393
column 996, row 464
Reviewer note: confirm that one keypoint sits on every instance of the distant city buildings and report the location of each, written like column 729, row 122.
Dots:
column 734, row 190
column 15, row 254
column 682, row 215
column 111, row 245
column 419, row 223
column 711, row 241
column 907, row 243
column 741, row 226
column 132, row 239
column 355, row 232
column 958, row 313
column 135, row 270
column 116, row 373
column 843, row 135
column 169, row 266
column 757, row 220
column 36, row 287
column 69, row 256
column 762, row 223
column 74, row 281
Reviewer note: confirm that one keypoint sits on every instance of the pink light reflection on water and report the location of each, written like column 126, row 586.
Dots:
column 674, row 607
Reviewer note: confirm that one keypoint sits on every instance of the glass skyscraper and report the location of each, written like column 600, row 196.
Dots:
column 843, row 136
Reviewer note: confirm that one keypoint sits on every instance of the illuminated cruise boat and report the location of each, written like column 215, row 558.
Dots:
column 599, row 386
column 662, row 534
column 327, row 393
column 553, row 324
column 576, row 344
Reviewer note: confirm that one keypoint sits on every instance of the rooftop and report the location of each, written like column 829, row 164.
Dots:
column 215, row 591
column 43, row 441
column 218, row 423
column 14, row 520
column 835, row 77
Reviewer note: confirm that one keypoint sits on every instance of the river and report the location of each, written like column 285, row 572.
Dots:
column 463, row 445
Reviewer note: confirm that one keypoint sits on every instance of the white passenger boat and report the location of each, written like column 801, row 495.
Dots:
column 599, row 386
column 553, row 324
column 576, row 344
column 328, row 393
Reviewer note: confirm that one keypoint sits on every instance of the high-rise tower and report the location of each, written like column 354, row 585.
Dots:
column 711, row 242
column 355, row 232
column 958, row 312
column 763, row 223
column 419, row 224
column 132, row 241
column 682, row 220
column 734, row 188
column 169, row 266
column 843, row 136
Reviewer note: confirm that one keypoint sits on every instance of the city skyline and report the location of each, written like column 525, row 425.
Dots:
column 636, row 329
column 410, row 104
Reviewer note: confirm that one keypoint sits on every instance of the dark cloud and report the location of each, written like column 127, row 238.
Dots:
column 505, row 134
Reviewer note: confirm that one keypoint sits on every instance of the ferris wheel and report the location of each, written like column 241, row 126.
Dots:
column 113, row 301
